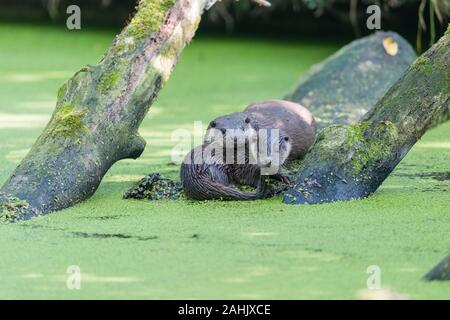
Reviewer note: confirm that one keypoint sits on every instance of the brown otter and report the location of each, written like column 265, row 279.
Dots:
column 293, row 119
column 206, row 175
column 235, row 128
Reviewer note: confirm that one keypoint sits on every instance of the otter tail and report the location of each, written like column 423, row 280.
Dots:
column 214, row 190
column 204, row 188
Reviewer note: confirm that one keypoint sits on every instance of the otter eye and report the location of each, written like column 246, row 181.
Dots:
column 247, row 120
column 212, row 124
column 286, row 139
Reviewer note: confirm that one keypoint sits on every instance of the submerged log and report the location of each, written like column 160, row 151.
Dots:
column 344, row 87
column 99, row 110
column 351, row 161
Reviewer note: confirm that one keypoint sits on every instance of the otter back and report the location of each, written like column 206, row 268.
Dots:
column 294, row 119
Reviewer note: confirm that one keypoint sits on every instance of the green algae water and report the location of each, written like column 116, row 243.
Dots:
column 200, row 250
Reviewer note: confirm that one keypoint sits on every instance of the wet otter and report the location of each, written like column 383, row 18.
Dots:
column 206, row 175
column 235, row 128
column 293, row 119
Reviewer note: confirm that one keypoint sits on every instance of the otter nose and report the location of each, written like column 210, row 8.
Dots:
column 223, row 130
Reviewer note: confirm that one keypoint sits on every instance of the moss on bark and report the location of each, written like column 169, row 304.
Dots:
column 149, row 16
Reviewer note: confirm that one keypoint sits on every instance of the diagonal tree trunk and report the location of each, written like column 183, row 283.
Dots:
column 99, row 110
column 351, row 161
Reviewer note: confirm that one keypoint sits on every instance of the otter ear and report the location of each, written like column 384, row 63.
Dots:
column 247, row 120
column 212, row 124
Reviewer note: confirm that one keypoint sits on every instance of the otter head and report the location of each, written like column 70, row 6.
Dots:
column 233, row 130
column 271, row 150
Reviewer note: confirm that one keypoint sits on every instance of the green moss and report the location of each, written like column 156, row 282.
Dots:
column 355, row 133
column 423, row 64
column 357, row 145
column 325, row 146
column 68, row 122
column 61, row 91
column 373, row 149
column 12, row 208
column 447, row 33
column 149, row 17
column 245, row 187
column 155, row 187
column 108, row 80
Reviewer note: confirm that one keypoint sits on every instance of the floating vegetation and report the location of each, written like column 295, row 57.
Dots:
column 155, row 187
column 12, row 209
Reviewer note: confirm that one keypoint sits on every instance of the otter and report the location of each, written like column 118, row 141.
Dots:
column 293, row 119
column 206, row 176
column 235, row 128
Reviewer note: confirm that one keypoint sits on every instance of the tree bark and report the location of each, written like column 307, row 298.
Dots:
column 99, row 110
column 351, row 161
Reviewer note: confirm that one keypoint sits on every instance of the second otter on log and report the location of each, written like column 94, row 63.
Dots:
column 293, row 119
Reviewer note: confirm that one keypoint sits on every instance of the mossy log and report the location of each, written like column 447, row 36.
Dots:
column 351, row 161
column 441, row 272
column 344, row 87
column 99, row 110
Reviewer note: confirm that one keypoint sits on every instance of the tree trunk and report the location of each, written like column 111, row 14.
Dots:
column 99, row 110
column 351, row 161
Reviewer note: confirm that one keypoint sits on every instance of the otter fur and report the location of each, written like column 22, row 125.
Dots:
column 296, row 122
column 293, row 119
column 206, row 175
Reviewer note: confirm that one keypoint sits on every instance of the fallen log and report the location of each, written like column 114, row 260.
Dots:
column 344, row 87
